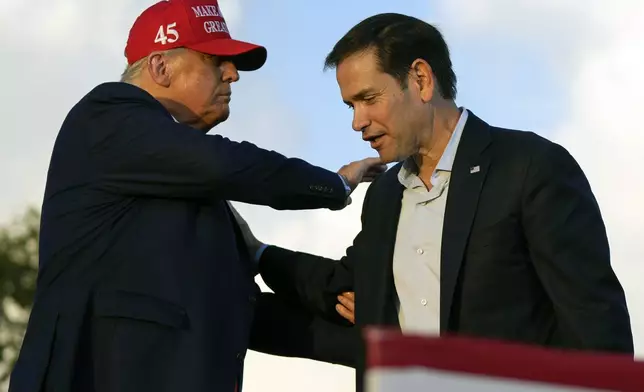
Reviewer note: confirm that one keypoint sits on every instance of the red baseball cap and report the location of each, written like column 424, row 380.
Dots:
column 193, row 24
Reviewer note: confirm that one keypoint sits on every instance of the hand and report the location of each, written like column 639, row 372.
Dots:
column 346, row 307
column 365, row 170
column 252, row 243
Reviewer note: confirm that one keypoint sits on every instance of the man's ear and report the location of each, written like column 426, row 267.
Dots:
column 422, row 75
column 159, row 68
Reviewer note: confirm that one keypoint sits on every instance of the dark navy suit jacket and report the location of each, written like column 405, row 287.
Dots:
column 524, row 257
column 143, row 283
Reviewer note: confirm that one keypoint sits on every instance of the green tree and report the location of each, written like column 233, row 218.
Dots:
column 18, row 272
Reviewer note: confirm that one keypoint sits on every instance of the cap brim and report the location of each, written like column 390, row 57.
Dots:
column 246, row 56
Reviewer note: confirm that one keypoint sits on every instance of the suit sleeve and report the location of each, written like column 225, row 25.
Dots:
column 568, row 244
column 315, row 281
column 136, row 151
column 287, row 329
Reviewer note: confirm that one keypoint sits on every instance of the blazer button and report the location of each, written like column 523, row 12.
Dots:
column 252, row 299
column 240, row 356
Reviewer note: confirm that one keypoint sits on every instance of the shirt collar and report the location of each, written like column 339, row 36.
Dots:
column 446, row 162
column 447, row 159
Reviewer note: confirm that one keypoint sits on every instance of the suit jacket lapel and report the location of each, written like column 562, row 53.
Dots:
column 470, row 168
column 387, row 203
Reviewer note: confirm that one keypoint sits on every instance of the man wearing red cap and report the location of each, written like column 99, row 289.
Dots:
column 145, row 283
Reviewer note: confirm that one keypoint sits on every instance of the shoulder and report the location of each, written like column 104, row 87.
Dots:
column 537, row 154
column 112, row 97
column 387, row 179
column 118, row 91
column 384, row 183
column 527, row 146
column 522, row 141
column 118, row 94
column 108, row 109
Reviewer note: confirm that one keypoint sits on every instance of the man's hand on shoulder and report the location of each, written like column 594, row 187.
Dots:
column 365, row 170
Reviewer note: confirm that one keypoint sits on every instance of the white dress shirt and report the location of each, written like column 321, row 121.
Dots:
column 417, row 253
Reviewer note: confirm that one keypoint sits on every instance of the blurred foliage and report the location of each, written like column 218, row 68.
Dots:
column 18, row 273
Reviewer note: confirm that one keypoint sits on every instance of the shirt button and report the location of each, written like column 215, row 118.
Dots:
column 420, row 251
column 423, row 302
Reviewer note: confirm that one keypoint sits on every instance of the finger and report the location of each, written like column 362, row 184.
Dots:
column 347, row 302
column 369, row 178
column 378, row 168
column 350, row 295
column 344, row 312
column 375, row 170
column 372, row 161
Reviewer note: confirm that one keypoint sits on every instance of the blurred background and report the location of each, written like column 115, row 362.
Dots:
column 570, row 70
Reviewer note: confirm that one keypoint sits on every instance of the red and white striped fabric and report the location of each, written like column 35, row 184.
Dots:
column 397, row 363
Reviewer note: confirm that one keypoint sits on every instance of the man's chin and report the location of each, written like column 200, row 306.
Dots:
column 223, row 116
column 389, row 158
column 386, row 158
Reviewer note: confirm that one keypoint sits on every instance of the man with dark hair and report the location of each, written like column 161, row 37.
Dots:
column 144, row 284
column 397, row 41
column 478, row 230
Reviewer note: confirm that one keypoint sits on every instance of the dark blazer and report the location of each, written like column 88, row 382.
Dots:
column 143, row 282
column 524, row 256
column 286, row 328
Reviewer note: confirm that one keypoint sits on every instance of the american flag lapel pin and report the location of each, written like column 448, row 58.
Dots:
column 475, row 169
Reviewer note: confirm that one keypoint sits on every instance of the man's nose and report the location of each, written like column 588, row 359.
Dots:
column 359, row 122
column 229, row 72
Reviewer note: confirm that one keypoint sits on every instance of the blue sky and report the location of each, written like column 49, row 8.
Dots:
column 569, row 70
column 298, row 35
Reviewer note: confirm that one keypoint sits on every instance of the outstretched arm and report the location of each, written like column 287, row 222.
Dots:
column 284, row 328
column 139, row 152
column 315, row 281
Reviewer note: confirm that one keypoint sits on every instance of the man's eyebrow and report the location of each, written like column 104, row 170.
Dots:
column 360, row 95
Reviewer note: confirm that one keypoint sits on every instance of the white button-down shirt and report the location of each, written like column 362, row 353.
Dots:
column 417, row 254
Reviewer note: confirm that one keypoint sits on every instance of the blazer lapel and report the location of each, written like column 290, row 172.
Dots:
column 388, row 204
column 470, row 168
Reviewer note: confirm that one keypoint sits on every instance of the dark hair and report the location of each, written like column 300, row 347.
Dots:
column 398, row 41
